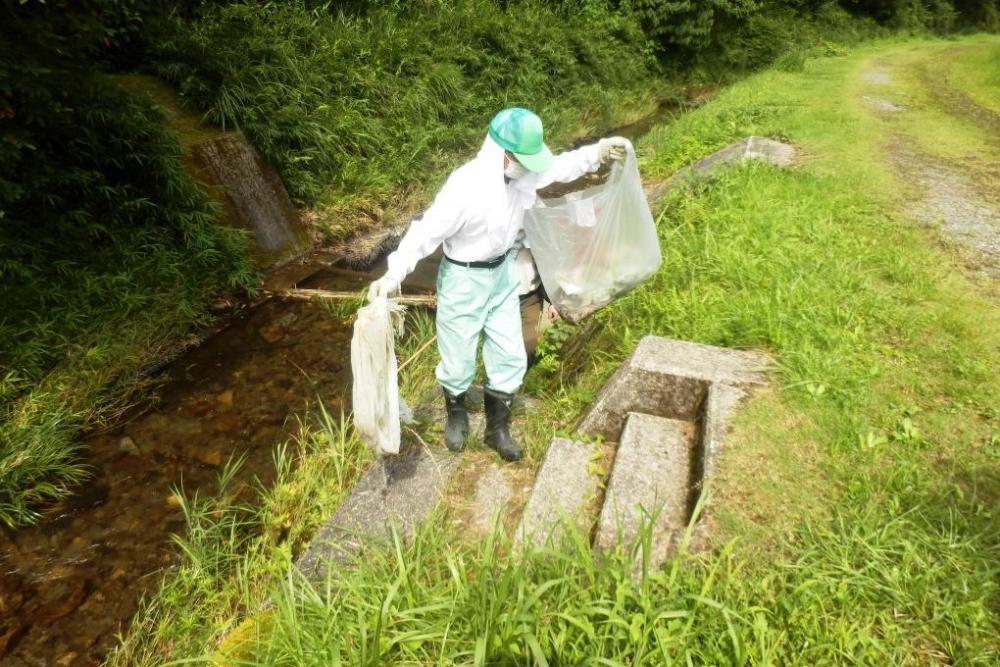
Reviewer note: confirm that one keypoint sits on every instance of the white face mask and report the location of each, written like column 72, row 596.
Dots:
column 514, row 169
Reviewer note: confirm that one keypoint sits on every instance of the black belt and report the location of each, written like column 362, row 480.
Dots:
column 487, row 264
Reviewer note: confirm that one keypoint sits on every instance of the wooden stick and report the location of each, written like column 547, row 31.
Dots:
column 417, row 353
column 428, row 300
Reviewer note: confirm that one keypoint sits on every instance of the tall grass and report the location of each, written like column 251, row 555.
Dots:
column 248, row 537
column 238, row 540
column 840, row 600
column 978, row 76
column 363, row 104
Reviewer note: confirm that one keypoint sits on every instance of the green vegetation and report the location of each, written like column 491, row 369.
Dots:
column 364, row 108
column 360, row 109
column 241, row 541
column 238, row 543
column 107, row 249
column 357, row 107
column 977, row 74
column 855, row 503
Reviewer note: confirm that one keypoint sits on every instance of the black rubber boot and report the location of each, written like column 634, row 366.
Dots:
column 457, row 428
column 498, row 405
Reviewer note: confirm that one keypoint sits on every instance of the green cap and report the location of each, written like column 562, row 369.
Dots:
column 520, row 132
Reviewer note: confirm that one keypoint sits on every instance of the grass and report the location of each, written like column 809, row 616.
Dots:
column 91, row 376
column 427, row 603
column 239, row 541
column 358, row 108
column 937, row 119
column 977, row 73
column 855, row 500
column 242, row 541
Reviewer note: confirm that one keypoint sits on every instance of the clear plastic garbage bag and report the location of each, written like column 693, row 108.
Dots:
column 593, row 246
column 373, row 364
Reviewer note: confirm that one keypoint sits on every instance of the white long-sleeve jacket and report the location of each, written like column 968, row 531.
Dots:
column 477, row 215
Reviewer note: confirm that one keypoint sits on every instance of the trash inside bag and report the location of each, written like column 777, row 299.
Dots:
column 373, row 365
column 593, row 246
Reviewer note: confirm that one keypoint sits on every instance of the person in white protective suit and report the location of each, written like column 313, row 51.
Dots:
column 478, row 216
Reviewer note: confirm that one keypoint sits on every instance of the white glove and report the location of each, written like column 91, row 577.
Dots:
column 612, row 148
column 384, row 287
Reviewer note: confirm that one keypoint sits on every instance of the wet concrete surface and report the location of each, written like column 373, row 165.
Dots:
column 69, row 584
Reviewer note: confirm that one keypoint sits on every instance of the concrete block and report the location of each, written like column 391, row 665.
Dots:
column 720, row 406
column 492, row 497
column 704, row 362
column 756, row 148
column 253, row 194
column 564, row 489
column 398, row 491
column 651, row 481
column 667, row 378
column 636, row 389
column 760, row 149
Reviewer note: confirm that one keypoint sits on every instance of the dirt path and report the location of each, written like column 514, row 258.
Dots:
column 957, row 195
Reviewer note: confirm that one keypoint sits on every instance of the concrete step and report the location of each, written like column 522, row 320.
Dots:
column 432, row 411
column 759, row 149
column 567, row 488
column 398, row 491
column 652, row 480
column 492, row 497
column 668, row 378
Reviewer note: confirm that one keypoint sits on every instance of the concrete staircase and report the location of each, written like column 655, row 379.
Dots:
column 643, row 453
column 400, row 492
column 667, row 410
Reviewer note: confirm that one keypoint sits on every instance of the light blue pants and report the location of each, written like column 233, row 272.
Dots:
column 472, row 303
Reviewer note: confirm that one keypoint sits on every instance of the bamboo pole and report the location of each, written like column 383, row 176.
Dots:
column 417, row 353
column 428, row 300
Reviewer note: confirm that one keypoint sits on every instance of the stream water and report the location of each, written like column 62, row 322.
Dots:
column 70, row 584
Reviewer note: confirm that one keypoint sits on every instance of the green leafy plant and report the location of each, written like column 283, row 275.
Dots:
column 551, row 343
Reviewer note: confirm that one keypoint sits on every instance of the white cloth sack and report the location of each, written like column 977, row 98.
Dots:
column 593, row 246
column 373, row 365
